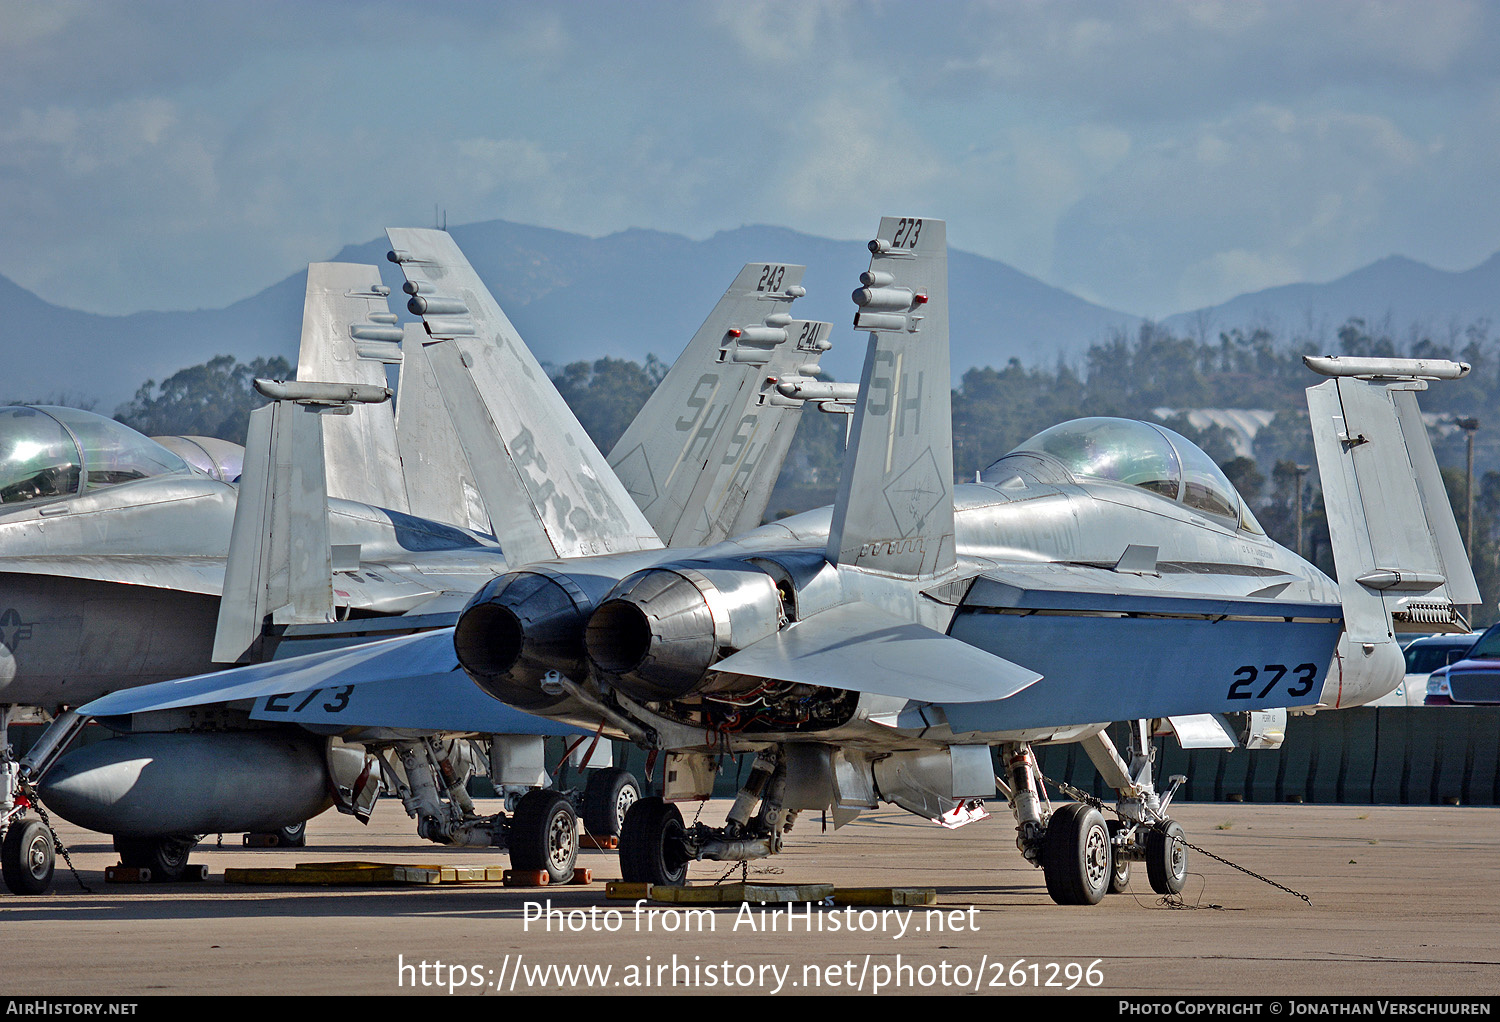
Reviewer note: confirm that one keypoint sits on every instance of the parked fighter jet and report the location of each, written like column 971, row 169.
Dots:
column 881, row 649
column 737, row 421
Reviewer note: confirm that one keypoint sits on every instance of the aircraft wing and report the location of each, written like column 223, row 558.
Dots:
column 411, row 682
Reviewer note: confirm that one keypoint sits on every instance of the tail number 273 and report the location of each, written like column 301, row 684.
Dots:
column 1250, row 678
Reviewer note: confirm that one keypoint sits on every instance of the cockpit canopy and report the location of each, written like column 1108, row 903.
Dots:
column 1131, row 452
column 48, row 452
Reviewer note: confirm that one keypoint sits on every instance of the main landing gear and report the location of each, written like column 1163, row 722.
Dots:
column 656, row 846
column 1082, row 856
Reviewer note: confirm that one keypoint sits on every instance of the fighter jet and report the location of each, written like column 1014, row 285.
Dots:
column 741, row 423
column 884, row 649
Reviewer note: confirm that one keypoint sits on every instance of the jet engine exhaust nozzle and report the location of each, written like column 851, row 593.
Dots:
column 661, row 630
column 518, row 628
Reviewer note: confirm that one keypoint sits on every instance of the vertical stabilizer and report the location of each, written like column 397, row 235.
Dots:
column 703, row 453
column 1401, row 564
column 548, row 490
column 439, row 483
column 280, row 561
column 349, row 335
column 894, row 512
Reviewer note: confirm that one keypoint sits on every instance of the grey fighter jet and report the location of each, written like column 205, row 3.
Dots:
column 740, row 420
column 884, row 649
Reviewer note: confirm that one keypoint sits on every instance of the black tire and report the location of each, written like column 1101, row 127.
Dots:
column 166, row 857
column 607, row 798
column 653, row 844
column 1166, row 859
column 294, row 836
column 1077, row 859
column 544, row 835
column 1119, row 876
column 27, row 857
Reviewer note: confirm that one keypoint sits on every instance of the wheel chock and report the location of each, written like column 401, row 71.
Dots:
column 607, row 843
column 526, row 878
column 337, row 874
column 895, row 897
column 262, row 841
column 127, row 875
column 736, row 894
column 581, row 877
column 619, row 890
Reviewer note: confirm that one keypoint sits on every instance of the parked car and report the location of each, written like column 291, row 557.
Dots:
column 1423, row 656
column 1470, row 679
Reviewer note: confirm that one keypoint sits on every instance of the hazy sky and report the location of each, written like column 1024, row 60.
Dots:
column 1151, row 156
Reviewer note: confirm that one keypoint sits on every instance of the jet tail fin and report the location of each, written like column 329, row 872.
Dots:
column 349, row 335
column 703, row 452
column 439, row 483
column 548, row 490
column 894, row 512
column 1401, row 563
column 280, row 563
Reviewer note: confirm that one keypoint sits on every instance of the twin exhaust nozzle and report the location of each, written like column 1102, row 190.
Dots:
column 654, row 635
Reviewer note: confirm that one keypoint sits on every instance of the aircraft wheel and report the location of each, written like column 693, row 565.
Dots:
column 607, row 798
column 653, row 844
column 27, row 857
column 294, row 836
column 544, row 834
column 1076, row 856
column 1119, row 877
column 166, row 857
column 1166, row 859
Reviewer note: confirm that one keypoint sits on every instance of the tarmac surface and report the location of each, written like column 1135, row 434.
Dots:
column 1403, row 901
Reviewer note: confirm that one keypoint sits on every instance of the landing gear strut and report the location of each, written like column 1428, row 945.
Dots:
column 1081, row 855
column 656, row 847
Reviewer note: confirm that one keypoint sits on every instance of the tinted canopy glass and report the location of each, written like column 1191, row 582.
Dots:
column 1137, row 454
column 48, row 452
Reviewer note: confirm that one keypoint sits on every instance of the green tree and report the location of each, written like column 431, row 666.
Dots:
column 213, row 399
column 607, row 393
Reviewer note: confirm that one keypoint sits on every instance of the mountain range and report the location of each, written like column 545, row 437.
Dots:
column 640, row 292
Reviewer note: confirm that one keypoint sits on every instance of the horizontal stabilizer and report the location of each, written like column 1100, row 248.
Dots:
column 409, row 655
column 860, row 648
